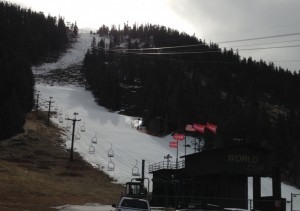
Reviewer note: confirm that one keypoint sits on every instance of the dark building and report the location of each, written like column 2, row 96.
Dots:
column 218, row 177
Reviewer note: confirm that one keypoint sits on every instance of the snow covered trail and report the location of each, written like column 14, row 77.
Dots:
column 73, row 56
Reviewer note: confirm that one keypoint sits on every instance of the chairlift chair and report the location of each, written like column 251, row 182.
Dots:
column 92, row 149
column 135, row 170
column 94, row 139
column 110, row 151
column 60, row 119
column 77, row 135
column 82, row 128
column 110, row 166
column 68, row 126
column 66, row 116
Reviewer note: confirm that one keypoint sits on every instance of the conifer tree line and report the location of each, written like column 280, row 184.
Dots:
column 252, row 101
column 26, row 38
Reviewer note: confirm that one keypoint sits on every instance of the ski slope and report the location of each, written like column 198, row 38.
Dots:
column 114, row 132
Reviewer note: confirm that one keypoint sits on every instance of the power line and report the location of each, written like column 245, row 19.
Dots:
column 260, row 38
column 202, row 44
column 194, row 61
column 212, row 51
column 267, row 48
column 286, row 41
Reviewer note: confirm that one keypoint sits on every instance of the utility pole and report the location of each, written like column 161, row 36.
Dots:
column 49, row 102
column 143, row 177
column 177, row 156
column 74, row 120
column 37, row 101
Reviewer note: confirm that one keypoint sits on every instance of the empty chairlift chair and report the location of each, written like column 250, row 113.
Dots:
column 110, row 165
column 94, row 139
column 110, row 152
column 82, row 128
column 77, row 135
column 68, row 126
column 135, row 170
column 60, row 119
column 92, row 149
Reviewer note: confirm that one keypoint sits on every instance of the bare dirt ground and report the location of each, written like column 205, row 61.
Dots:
column 36, row 174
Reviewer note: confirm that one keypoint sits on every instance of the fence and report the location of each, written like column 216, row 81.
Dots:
column 166, row 165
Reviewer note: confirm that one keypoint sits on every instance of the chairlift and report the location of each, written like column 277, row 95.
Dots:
column 68, row 126
column 110, row 151
column 55, row 115
column 94, row 139
column 110, row 165
column 60, row 112
column 135, row 170
column 82, row 128
column 56, row 108
column 92, row 149
column 77, row 135
column 67, row 116
column 60, row 119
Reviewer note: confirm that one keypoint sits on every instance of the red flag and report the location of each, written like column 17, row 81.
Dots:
column 211, row 127
column 199, row 128
column 189, row 128
column 173, row 144
column 178, row 136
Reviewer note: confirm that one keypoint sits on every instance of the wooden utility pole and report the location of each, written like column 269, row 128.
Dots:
column 49, row 109
column 143, row 177
column 74, row 120
column 37, row 101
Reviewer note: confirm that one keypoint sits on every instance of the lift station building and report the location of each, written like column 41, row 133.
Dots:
column 219, row 178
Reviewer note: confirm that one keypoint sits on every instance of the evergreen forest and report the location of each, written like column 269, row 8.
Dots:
column 170, row 79
column 26, row 38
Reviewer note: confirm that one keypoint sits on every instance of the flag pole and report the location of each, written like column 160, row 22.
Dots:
column 177, row 156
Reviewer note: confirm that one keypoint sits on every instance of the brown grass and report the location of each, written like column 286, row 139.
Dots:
column 36, row 174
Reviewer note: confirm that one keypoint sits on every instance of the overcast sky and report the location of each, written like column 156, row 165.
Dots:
column 213, row 20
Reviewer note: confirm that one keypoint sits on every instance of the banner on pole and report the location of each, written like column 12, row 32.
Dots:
column 199, row 128
column 178, row 136
column 173, row 144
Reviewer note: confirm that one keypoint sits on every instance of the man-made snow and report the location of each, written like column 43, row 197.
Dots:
column 112, row 132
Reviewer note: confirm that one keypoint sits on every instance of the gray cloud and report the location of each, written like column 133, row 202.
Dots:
column 222, row 20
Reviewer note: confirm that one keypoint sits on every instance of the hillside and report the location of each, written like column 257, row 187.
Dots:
column 26, row 38
column 170, row 79
column 36, row 173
